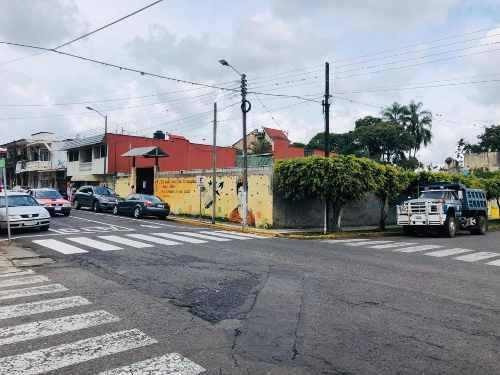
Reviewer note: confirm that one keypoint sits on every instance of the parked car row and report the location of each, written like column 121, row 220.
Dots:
column 33, row 208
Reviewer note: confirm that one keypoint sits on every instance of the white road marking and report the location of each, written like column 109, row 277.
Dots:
column 150, row 226
column 173, row 364
column 159, row 241
column 232, row 236
column 474, row 257
column 20, row 273
column 55, row 230
column 204, row 236
column 94, row 244
column 56, row 357
column 250, row 235
column 448, row 252
column 179, row 238
column 494, row 263
column 415, row 249
column 345, row 241
column 32, row 308
column 23, row 281
column 126, row 241
column 99, row 222
column 364, row 243
column 392, row 245
column 60, row 247
column 49, row 327
column 33, row 291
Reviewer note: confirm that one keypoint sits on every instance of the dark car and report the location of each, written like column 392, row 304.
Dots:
column 139, row 205
column 98, row 198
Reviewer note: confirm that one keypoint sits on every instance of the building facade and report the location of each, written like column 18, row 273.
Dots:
column 485, row 160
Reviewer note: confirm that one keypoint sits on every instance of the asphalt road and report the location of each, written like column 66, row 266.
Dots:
column 249, row 305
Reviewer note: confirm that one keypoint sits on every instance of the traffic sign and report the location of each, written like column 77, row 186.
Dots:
column 200, row 181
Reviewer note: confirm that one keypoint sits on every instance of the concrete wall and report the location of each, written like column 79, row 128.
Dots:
column 484, row 160
column 181, row 192
column 309, row 213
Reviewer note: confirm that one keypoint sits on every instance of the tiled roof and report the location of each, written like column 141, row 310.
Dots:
column 276, row 134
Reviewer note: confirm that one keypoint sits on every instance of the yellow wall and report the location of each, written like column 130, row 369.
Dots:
column 183, row 196
column 122, row 186
column 494, row 212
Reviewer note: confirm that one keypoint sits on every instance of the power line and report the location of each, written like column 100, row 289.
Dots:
column 143, row 73
column 87, row 34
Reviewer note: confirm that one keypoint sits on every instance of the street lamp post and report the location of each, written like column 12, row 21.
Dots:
column 246, row 106
column 105, row 132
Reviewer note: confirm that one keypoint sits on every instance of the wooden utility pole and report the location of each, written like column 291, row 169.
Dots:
column 326, row 110
column 214, row 164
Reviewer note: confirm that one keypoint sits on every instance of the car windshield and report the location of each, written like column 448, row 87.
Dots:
column 101, row 190
column 18, row 201
column 151, row 198
column 48, row 194
column 433, row 194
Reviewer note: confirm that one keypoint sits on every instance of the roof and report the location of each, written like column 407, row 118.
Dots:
column 146, row 152
column 76, row 143
column 276, row 134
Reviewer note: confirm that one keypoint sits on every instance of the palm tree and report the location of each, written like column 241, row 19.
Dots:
column 419, row 124
column 396, row 114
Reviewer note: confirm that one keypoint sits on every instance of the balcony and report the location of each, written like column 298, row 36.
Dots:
column 31, row 166
column 85, row 167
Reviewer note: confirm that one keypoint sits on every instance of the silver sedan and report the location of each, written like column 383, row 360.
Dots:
column 24, row 212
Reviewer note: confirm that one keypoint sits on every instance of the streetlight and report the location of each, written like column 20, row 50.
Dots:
column 246, row 106
column 105, row 132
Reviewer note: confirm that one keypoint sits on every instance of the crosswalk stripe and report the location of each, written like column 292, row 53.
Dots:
column 363, row 243
column 56, row 357
column 474, row 257
column 13, row 274
column 159, row 241
column 346, row 241
column 32, row 308
column 60, row 247
column 179, row 238
column 126, row 241
column 250, row 235
column 99, row 245
column 414, row 249
column 23, row 281
column 448, row 252
column 33, row 291
column 49, row 327
column 232, row 236
column 173, row 363
column 494, row 263
column 204, row 236
column 393, row 245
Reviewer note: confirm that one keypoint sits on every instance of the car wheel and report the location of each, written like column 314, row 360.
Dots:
column 481, row 226
column 76, row 204
column 450, row 226
column 137, row 212
column 96, row 206
column 44, row 228
column 66, row 213
column 408, row 230
column 115, row 210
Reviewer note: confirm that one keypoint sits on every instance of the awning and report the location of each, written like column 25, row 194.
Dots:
column 85, row 178
column 146, row 152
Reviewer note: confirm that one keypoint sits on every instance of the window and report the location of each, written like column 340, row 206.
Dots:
column 103, row 151
column 47, row 194
column 86, row 155
column 101, row 190
column 44, row 155
column 18, row 201
column 73, row 155
column 97, row 152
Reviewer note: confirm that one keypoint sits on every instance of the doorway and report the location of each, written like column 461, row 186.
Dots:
column 144, row 180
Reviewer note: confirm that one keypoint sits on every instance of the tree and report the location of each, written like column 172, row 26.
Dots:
column 396, row 114
column 489, row 141
column 340, row 143
column 261, row 145
column 367, row 121
column 336, row 180
column 418, row 124
column 492, row 188
column 298, row 144
column 393, row 181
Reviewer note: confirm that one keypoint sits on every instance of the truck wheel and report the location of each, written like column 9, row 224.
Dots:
column 408, row 230
column 481, row 226
column 450, row 226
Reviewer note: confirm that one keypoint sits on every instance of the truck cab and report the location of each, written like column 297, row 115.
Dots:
column 445, row 206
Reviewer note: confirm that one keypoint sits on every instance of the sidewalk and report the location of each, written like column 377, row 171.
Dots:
column 13, row 257
column 6, row 266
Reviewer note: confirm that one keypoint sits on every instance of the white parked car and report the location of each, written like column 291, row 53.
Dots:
column 24, row 212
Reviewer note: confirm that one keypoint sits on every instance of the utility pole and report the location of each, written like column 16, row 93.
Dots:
column 214, row 165
column 245, row 107
column 105, row 145
column 326, row 109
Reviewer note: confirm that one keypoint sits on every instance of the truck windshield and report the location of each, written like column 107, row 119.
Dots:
column 433, row 194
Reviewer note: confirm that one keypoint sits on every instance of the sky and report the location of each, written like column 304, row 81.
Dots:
column 445, row 54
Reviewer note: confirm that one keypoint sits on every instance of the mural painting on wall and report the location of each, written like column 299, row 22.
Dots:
column 236, row 213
